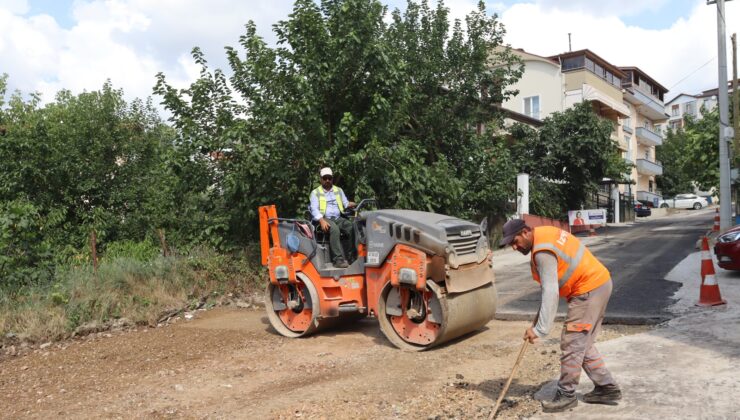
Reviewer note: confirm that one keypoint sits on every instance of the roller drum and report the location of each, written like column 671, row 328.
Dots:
column 467, row 312
column 306, row 321
column 447, row 316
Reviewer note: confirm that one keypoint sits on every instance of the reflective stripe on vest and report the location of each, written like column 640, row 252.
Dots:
column 578, row 270
column 572, row 262
column 322, row 198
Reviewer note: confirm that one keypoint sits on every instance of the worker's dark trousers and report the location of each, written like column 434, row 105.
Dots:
column 336, row 228
column 583, row 324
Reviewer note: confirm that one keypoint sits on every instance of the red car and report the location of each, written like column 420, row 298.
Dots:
column 727, row 249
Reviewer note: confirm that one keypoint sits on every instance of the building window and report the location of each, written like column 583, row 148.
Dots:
column 571, row 63
column 599, row 70
column 675, row 125
column 579, row 62
column 690, row 108
column 589, row 64
column 627, row 122
column 647, row 155
column 650, row 185
column 628, row 153
column 532, row 107
column 674, row 111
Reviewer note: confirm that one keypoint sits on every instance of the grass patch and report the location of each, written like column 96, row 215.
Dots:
column 129, row 284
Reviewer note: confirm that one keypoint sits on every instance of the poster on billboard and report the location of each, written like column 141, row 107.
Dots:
column 587, row 217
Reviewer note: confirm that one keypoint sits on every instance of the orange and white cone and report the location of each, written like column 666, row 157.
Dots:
column 709, row 294
column 715, row 228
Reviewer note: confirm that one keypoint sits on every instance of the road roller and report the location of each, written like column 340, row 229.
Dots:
column 426, row 277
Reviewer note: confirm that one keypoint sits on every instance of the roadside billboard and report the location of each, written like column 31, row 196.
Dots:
column 587, row 217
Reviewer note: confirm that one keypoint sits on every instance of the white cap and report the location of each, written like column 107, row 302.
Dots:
column 326, row 171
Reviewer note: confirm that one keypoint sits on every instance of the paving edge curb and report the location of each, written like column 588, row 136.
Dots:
column 608, row 319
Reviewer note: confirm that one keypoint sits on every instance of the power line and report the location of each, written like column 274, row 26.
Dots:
column 692, row 73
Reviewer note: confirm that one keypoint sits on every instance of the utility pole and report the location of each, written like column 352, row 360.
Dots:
column 725, row 207
column 735, row 96
column 735, row 116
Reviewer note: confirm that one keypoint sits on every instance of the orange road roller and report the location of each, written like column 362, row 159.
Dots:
column 426, row 277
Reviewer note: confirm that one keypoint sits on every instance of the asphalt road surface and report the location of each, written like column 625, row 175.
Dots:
column 638, row 255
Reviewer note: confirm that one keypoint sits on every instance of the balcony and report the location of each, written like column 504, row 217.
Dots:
column 646, row 167
column 647, row 104
column 649, row 197
column 648, row 138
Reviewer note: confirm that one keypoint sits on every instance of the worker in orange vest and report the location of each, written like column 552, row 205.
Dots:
column 564, row 266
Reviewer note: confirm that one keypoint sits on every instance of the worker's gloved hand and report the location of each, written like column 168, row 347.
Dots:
column 324, row 224
column 530, row 335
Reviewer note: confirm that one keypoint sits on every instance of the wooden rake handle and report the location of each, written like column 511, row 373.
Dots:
column 508, row 382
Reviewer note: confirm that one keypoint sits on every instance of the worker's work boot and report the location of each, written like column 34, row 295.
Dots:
column 562, row 401
column 604, row 394
column 340, row 262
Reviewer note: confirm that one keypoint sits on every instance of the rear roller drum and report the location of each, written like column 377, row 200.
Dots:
column 290, row 307
column 415, row 321
column 294, row 309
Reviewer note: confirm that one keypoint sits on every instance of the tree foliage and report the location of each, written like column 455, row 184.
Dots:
column 574, row 152
column 672, row 155
column 690, row 155
column 82, row 162
column 401, row 105
column 392, row 107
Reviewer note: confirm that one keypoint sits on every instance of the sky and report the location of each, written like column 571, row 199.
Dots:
column 48, row 45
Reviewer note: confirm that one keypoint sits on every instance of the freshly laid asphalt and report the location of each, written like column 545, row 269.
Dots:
column 639, row 255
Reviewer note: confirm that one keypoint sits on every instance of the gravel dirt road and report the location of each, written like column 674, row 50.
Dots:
column 229, row 363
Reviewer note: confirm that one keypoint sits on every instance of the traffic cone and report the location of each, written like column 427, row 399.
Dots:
column 715, row 228
column 709, row 294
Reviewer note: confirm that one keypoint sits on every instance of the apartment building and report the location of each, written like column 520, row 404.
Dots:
column 641, row 131
column 627, row 96
column 540, row 87
column 555, row 83
column 685, row 104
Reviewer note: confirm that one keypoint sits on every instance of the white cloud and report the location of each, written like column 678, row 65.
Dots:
column 15, row 6
column 603, row 8
column 129, row 41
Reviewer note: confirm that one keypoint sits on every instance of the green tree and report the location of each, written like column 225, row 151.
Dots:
column 82, row 162
column 701, row 150
column 672, row 155
column 392, row 107
column 573, row 152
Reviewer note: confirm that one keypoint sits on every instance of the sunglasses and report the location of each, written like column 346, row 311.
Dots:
column 326, row 178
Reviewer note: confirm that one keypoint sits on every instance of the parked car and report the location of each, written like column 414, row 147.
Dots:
column 727, row 249
column 641, row 210
column 684, row 201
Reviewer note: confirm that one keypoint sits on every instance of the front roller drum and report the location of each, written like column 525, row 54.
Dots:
column 416, row 321
column 294, row 309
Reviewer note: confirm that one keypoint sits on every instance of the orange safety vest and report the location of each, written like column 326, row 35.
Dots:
column 579, row 271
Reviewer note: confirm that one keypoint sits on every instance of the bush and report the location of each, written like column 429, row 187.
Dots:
column 25, row 254
column 127, row 285
column 140, row 251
